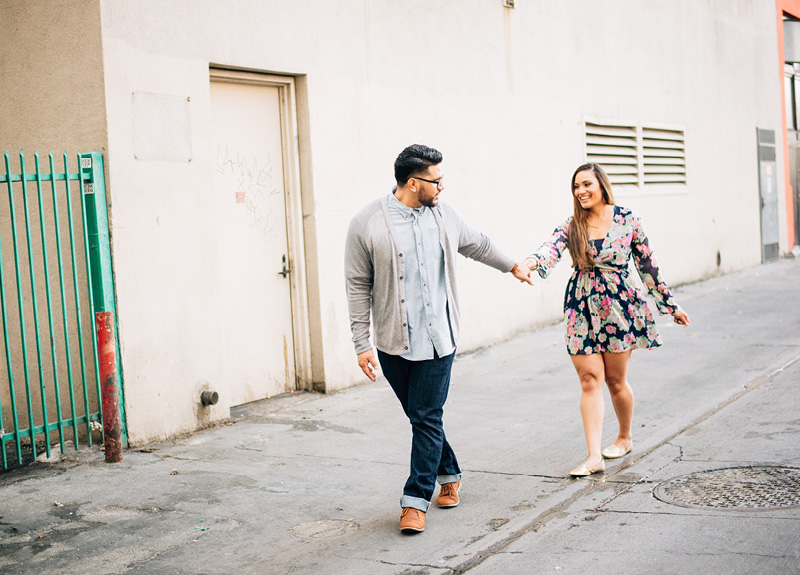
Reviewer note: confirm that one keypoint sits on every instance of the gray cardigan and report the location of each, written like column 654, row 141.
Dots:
column 374, row 272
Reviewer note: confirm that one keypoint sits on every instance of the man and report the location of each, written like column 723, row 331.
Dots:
column 400, row 268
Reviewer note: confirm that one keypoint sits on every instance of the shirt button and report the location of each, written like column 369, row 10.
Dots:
column 406, row 347
column 401, row 277
column 402, row 301
column 401, row 255
column 405, row 324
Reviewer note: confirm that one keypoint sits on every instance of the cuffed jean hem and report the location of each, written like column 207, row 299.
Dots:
column 442, row 479
column 415, row 502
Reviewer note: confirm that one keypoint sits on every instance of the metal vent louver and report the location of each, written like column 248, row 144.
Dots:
column 640, row 156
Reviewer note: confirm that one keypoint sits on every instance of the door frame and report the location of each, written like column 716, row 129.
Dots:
column 294, row 209
column 791, row 8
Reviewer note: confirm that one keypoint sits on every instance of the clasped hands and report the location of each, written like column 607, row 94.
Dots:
column 522, row 270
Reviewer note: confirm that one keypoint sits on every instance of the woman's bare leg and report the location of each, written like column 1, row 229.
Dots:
column 616, row 376
column 591, row 373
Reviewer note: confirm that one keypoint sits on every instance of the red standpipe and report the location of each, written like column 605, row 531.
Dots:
column 107, row 352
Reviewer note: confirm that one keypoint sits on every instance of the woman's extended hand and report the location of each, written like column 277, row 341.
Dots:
column 522, row 272
column 532, row 263
column 681, row 318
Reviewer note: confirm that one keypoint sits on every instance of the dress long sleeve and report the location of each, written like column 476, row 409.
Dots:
column 650, row 273
column 550, row 252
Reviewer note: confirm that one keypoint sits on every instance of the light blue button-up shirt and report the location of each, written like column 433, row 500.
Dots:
column 426, row 292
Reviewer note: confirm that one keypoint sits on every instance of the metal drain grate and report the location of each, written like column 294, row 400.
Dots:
column 734, row 488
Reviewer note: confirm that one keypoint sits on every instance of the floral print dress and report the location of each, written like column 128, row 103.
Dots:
column 603, row 310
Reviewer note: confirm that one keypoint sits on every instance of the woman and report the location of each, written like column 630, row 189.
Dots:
column 606, row 315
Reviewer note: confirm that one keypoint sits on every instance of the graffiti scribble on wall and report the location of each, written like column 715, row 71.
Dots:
column 250, row 183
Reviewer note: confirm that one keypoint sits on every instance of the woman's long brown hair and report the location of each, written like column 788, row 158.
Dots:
column 578, row 237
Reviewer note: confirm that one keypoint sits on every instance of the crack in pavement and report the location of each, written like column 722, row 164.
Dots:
column 385, row 562
column 729, row 553
column 326, row 457
column 642, row 480
column 666, row 551
column 411, row 564
column 178, row 458
column 739, row 513
column 559, row 477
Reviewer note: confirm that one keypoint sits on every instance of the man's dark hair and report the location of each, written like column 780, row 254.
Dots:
column 415, row 159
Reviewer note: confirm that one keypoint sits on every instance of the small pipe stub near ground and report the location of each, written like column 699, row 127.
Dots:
column 209, row 397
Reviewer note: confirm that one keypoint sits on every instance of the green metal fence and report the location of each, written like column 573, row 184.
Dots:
column 50, row 252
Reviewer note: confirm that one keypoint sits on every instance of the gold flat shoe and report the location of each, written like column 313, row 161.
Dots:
column 584, row 470
column 613, row 451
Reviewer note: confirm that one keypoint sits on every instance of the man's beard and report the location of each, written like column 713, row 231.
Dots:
column 428, row 202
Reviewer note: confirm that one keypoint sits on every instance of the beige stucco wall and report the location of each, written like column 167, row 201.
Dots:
column 502, row 93
column 52, row 98
column 53, row 95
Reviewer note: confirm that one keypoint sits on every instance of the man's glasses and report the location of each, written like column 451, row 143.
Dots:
column 437, row 183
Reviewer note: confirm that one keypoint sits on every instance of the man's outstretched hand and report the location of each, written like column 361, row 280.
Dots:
column 366, row 361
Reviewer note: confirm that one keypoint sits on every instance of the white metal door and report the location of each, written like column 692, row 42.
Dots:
column 253, row 252
column 768, row 184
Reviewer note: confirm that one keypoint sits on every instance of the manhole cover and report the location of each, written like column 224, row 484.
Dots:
column 324, row 529
column 734, row 488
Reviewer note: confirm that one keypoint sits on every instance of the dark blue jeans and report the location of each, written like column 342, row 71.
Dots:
column 421, row 387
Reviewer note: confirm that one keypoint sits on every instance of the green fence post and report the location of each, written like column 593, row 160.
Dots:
column 7, row 347
column 61, row 283
column 77, row 294
column 18, row 275
column 32, row 273
column 49, row 300
column 102, row 293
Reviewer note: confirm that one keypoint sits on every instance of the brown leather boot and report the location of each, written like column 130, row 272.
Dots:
column 412, row 520
column 448, row 495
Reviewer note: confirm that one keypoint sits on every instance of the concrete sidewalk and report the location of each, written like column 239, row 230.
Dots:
column 311, row 484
